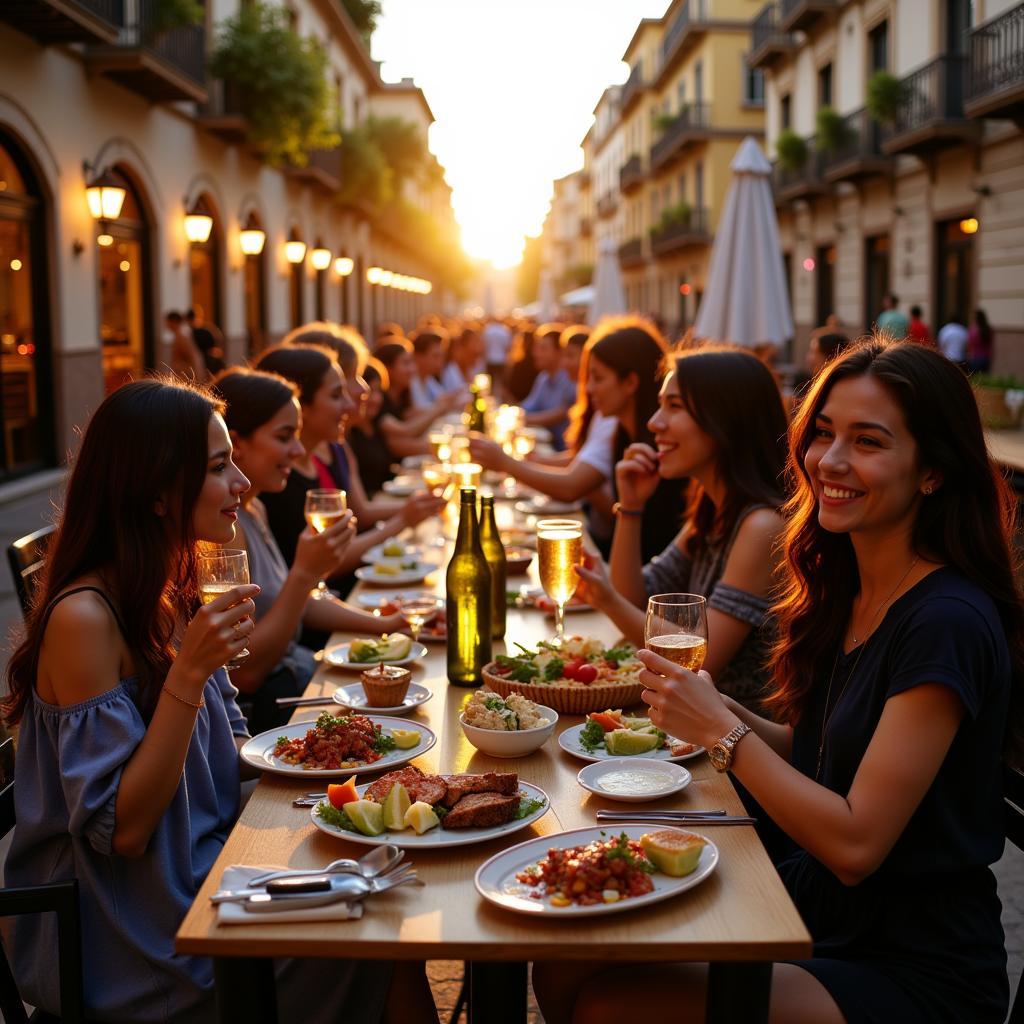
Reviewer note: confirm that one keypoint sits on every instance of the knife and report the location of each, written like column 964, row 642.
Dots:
column 341, row 886
column 674, row 818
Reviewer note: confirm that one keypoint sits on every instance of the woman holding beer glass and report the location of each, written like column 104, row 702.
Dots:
column 898, row 693
column 721, row 424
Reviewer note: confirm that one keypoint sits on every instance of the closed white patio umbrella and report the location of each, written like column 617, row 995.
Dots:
column 609, row 294
column 578, row 296
column 746, row 301
column 546, row 296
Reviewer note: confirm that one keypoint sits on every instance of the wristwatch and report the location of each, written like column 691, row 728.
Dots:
column 720, row 755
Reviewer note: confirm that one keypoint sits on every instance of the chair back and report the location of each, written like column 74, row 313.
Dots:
column 25, row 557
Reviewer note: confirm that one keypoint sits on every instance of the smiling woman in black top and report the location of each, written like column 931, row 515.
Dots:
column 897, row 670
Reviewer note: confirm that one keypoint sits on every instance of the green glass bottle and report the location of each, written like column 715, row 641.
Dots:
column 476, row 411
column 468, row 593
column 494, row 552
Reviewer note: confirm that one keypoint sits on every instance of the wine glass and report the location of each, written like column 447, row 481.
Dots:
column 523, row 442
column 324, row 506
column 440, row 441
column 417, row 610
column 559, row 550
column 436, row 476
column 676, row 627
column 218, row 572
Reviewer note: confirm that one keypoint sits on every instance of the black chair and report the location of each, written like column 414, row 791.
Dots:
column 25, row 557
column 1013, row 800
column 60, row 898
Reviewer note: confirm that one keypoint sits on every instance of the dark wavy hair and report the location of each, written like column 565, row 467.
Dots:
column 146, row 443
column 304, row 365
column 968, row 522
column 252, row 397
column 734, row 399
column 630, row 344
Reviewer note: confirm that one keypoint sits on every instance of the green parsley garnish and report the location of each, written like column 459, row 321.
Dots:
column 553, row 669
column 591, row 737
column 334, row 816
column 527, row 805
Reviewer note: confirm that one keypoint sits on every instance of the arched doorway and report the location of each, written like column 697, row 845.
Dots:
column 26, row 409
column 253, row 239
column 205, row 262
column 125, row 281
column 296, row 255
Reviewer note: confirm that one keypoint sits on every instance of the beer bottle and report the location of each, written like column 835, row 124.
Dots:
column 494, row 552
column 468, row 599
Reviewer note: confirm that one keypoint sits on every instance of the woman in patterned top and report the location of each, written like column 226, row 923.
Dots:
column 720, row 422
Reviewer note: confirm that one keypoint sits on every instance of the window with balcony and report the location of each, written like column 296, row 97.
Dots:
column 682, row 186
column 878, row 47
column 753, row 86
column 825, row 85
column 876, row 275
column 681, row 93
column 959, row 17
column 698, row 83
column 698, row 185
column 824, row 265
column 786, row 111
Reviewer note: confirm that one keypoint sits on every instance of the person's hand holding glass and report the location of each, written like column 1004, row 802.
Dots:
column 324, row 507
column 559, row 550
column 676, row 627
column 219, row 572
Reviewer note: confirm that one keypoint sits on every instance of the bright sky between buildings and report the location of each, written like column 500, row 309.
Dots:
column 513, row 85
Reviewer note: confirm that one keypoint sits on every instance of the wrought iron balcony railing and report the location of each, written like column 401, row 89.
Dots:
column 931, row 107
column 691, row 123
column 995, row 79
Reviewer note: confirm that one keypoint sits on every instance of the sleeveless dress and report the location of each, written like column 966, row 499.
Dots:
column 67, row 773
column 919, row 941
column 746, row 678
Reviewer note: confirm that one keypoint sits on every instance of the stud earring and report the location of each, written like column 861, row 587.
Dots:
column 928, row 489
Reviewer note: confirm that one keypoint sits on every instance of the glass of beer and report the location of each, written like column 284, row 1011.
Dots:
column 677, row 628
column 324, row 507
column 440, row 441
column 559, row 550
column 219, row 571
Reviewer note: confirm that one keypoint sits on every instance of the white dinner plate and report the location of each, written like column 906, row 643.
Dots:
column 373, row 599
column 496, row 878
column 369, row 574
column 542, row 506
column 410, row 553
column 259, row 751
column 651, row 780
column 403, row 486
column 439, row 837
column 569, row 741
column 337, row 657
column 353, row 698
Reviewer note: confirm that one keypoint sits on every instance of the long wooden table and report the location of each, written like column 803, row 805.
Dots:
column 740, row 919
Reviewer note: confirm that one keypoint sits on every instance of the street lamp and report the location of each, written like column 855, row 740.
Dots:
column 251, row 241
column 344, row 265
column 294, row 251
column 105, row 196
column 198, row 227
column 373, row 275
column 320, row 258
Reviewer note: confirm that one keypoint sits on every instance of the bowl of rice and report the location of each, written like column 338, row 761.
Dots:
column 512, row 726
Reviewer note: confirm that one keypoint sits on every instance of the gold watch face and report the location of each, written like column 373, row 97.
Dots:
column 719, row 757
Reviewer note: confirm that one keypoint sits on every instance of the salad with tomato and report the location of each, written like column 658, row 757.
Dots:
column 579, row 661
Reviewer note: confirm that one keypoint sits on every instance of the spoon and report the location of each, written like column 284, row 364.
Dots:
column 379, row 861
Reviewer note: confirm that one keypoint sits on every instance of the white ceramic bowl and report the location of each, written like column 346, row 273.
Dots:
column 502, row 743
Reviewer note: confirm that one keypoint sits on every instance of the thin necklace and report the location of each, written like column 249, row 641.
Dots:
column 831, row 679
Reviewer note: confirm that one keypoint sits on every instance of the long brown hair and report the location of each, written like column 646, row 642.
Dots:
column 631, row 344
column 967, row 523
column 145, row 445
column 734, row 399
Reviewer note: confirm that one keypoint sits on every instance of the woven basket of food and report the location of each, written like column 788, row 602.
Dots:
column 580, row 676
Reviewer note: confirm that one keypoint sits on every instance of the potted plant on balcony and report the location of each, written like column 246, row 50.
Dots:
column 999, row 400
column 884, row 97
column 831, row 130
column 168, row 15
column 662, row 122
column 281, row 78
column 791, row 150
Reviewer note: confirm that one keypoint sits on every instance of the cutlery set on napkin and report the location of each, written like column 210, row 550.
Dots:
column 333, row 893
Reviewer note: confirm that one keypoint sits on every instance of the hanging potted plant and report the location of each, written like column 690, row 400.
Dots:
column 282, row 81
column 884, row 97
column 791, row 150
column 831, row 130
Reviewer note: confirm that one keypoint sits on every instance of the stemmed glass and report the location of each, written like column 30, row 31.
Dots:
column 218, row 572
column 676, row 627
column 324, row 506
column 559, row 550
column 417, row 610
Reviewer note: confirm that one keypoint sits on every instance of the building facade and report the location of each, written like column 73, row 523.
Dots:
column 895, row 127
column 89, row 95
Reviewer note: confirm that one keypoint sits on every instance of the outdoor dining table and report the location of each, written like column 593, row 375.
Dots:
column 740, row 919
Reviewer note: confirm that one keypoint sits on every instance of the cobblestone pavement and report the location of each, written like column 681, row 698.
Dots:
column 446, row 980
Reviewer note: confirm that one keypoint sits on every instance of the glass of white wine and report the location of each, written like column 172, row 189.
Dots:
column 676, row 627
column 324, row 506
column 417, row 610
column 219, row 571
column 559, row 550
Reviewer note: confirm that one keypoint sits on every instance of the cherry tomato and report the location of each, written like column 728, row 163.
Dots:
column 586, row 674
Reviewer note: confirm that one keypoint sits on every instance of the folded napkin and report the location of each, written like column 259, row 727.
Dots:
column 236, row 876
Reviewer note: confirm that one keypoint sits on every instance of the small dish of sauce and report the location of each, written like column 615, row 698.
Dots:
column 633, row 779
